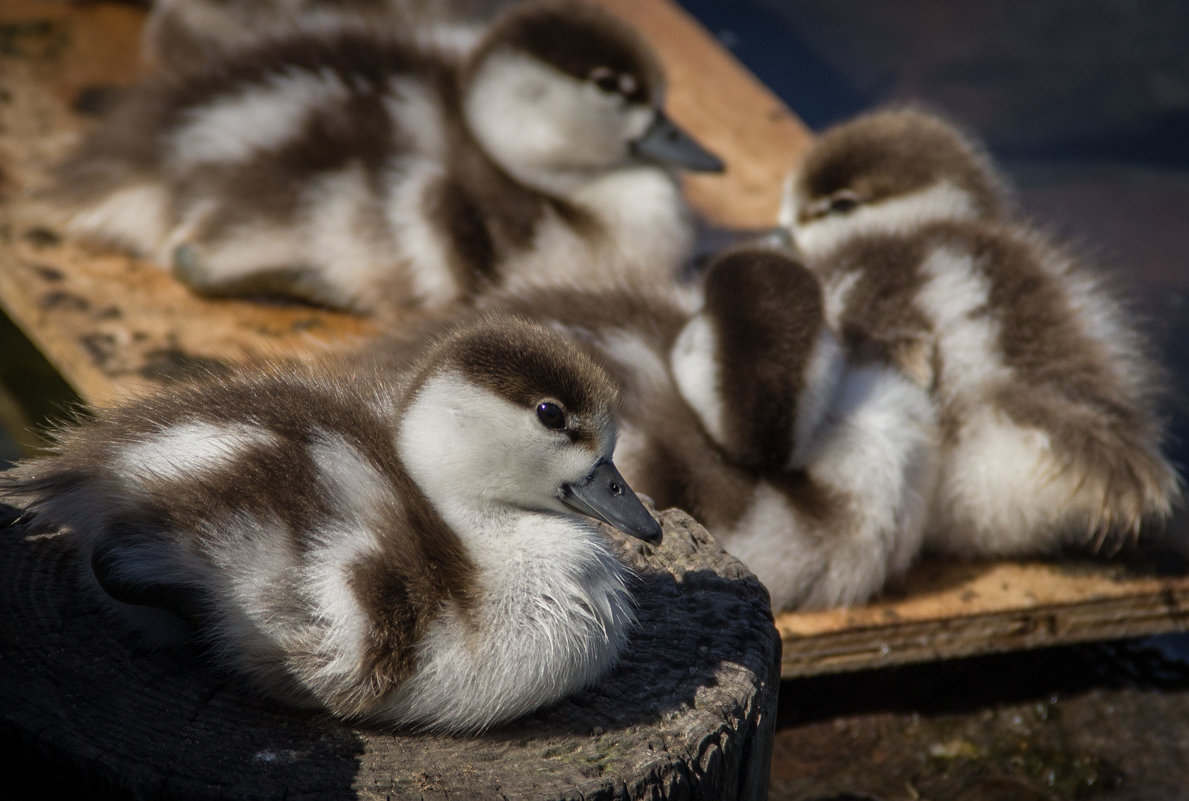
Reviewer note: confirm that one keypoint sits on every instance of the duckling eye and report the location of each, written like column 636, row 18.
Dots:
column 843, row 202
column 551, row 416
column 606, row 79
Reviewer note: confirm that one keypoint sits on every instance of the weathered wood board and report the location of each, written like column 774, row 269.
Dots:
column 111, row 324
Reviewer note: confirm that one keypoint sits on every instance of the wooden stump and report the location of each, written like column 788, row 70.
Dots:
column 688, row 713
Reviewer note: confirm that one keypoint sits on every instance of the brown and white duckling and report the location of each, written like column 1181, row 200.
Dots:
column 365, row 169
column 1044, row 390
column 411, row 548
column 811, row 464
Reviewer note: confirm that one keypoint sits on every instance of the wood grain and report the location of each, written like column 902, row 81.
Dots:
column 948, row 609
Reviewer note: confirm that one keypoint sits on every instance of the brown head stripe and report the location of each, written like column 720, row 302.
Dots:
column 890, row 153
column 526, row 363
column 578, row 38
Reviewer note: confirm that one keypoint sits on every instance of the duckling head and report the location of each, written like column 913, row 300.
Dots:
column 888, row 171
column 561, row 91
column 757, row 364
column 507, row 417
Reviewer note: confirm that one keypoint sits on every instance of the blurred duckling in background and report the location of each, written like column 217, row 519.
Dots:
column 364, row 169
column 1046, row 396
column 411, row 547
column 178, row 34
column 812, row 463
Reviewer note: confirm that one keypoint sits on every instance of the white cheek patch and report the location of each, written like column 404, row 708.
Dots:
column 494, row 106
column 236, row 127
column 900, row 214
column 451, row 438
column 183, row 450
column 694, row 362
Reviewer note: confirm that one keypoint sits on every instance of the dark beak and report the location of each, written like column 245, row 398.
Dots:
column 668, row 144
column 604, row 495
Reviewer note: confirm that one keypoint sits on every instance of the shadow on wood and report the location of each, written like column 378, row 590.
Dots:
column 688, row 713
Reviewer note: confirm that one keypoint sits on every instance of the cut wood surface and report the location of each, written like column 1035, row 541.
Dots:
column 688, row 712
column 111, row 324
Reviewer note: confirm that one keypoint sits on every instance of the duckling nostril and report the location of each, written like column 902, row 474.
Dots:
column 616, row 489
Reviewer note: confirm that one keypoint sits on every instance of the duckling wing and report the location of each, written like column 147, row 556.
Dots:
column 251, row 507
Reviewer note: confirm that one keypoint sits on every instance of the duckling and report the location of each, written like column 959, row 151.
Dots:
column 412, row 547
column 1045, row 392
column 812, row 463
column 368, row 170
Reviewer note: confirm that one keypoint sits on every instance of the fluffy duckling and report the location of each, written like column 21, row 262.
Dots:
column 812, row 464
column 367, row 169
column 1044, row 390
column 407, row 548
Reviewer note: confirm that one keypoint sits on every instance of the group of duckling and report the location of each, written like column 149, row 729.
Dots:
column 409, row 537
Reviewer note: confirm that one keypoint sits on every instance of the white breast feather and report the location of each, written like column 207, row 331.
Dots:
column 556, row 615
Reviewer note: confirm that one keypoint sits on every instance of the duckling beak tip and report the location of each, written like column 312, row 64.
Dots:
column 605, row 496
column 666, row 143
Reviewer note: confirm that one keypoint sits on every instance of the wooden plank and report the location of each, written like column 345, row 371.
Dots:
column 948, row 609
column 112, row 324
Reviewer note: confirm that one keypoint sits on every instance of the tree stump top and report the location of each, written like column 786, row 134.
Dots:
column 687, row 713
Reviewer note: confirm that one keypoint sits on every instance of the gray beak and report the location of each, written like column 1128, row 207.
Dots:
column 668, row 144
column 604, row 495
